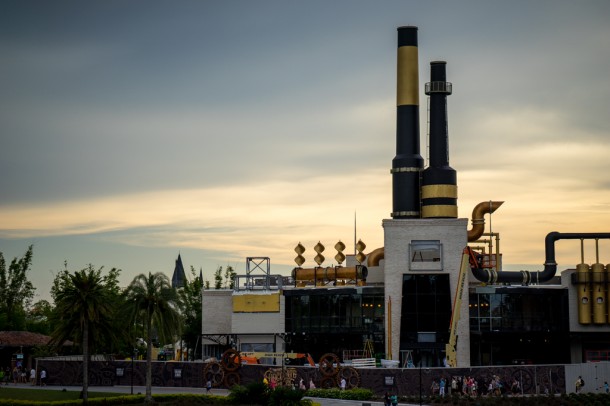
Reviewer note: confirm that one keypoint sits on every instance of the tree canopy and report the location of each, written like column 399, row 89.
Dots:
column 16, row 291
column 84, row 312
column 152, row 299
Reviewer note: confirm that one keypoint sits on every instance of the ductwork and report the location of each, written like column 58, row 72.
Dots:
column 550, row 266
column 375, row 257
column 478, row 218
column 478, row 227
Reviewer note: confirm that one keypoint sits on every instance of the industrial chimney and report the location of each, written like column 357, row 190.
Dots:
column 439, row 181
column 408, row 163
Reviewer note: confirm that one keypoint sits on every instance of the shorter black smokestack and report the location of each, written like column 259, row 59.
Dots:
column 408, row 163
column 439, row 181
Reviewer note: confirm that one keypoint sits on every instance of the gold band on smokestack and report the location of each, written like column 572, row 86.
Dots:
column 408, row 163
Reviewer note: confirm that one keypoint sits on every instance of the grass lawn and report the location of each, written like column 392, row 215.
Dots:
column 49, row 395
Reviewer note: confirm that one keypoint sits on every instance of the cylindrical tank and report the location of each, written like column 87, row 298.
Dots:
column 584, row 294
column 607, row 285
column 598, row 293
column 330, row 273
column 408, row 163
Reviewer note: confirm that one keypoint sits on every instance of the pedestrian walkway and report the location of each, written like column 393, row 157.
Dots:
column 159, row 390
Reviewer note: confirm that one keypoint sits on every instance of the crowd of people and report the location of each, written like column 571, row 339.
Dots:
column 20, row 374
column 469, row 386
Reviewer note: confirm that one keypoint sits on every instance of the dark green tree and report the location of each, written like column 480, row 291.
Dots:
column 152, row 299
column 218, row 278
column 121, row 341
column 190, row 296
column 39, row 317
column 229, row 280
column 16, row 291
column 84, row 311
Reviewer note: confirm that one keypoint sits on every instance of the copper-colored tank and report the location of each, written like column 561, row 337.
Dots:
column 584, row 294
column 330, row 273
column 598, row 294
column 607, row 272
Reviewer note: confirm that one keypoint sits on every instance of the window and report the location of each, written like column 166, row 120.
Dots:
column 425, row 255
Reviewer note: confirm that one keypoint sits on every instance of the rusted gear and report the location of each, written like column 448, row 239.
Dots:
column 230, row 360
column 328, row 382
column 351, row 375
column 213, row 372
column 329, row 364
column 231, row 379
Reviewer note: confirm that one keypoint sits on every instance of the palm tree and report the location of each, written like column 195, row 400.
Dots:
column 156, row 303
column 84, row 311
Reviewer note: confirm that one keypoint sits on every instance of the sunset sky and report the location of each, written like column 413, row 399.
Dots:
column 132, row 131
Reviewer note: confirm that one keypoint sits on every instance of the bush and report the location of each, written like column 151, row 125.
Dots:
column 350, row 394
column 283, row 396
column 256, row 393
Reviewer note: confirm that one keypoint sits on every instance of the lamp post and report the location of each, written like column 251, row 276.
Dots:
column 420, row 400
column 135, row 352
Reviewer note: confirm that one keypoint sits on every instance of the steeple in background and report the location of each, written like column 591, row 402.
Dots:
column 179, row 277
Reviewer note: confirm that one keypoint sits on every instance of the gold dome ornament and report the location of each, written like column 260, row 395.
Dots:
column 300, row 259
column 360, row 256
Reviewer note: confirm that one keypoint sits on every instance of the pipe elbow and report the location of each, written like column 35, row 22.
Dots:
column 478, row 218
column 375, row 257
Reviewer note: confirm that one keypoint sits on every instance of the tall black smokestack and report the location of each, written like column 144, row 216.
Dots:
column 408, row 163
column 439, row 181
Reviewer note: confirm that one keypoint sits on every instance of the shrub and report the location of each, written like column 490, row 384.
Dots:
column 256, row 393
column 283, row 396
column 334, row 393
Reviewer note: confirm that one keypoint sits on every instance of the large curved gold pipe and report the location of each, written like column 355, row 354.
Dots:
column 375, row 257
column 478, row 218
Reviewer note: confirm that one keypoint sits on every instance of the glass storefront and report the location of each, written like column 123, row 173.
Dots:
column 426, row 314
column 334, row 320
column 519, row 326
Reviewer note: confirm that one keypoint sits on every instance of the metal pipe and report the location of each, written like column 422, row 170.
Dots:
column 375, row 257
column 478, row 218
column 550, row 265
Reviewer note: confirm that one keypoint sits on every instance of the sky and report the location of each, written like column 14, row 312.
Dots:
column 135, row 131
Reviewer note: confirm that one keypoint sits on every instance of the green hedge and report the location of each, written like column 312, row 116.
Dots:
column 169, row 399
column 349, row 394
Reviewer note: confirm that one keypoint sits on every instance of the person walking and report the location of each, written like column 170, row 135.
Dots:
column 579, row 384
column 311, row 384
column 33, row 376
column 208, row 386
column 343, row 384
column 441, row 387
column 43, row 377
column 386, row 399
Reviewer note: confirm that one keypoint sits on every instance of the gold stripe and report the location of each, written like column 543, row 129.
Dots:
column 405, row 169
column 256, row 303
column 407, row 92
column 439, row 211
column 432, row 191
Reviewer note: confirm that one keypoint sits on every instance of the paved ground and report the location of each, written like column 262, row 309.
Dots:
column 161, row 390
